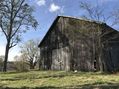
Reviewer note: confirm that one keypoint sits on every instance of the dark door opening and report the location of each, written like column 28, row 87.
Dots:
column 95, row 65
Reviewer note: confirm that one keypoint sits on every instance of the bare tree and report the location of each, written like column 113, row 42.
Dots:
column 95, row 12
column 115, row 15
column 31, row 52
column 15, row 18
column 20, row 63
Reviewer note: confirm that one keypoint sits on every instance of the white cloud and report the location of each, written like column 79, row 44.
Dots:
column 54, row 7
column 41, row 2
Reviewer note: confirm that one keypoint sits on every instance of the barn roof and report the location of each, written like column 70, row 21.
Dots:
column 87, row 20
column 49, row 30
column 78, row 18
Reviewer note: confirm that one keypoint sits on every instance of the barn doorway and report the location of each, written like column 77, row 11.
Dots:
column 95, row 65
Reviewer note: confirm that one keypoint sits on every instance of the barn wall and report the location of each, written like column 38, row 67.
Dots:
column 110, row 49
column 55, row 51
column 84, row 43
column 60, row 59
column 73, row 44
column 111, row 56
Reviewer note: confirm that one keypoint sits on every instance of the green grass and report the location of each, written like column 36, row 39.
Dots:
column 58, row 80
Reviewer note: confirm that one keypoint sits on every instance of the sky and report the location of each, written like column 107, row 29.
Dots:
column 45, row 13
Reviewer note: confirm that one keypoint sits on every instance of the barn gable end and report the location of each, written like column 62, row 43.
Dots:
column 75, row 44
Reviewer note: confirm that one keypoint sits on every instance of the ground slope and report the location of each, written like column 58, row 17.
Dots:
column 58, row 80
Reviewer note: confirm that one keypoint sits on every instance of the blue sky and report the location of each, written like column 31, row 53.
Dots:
column 45, row 13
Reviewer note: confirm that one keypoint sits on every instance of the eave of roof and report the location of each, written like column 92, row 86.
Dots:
column 48, row 30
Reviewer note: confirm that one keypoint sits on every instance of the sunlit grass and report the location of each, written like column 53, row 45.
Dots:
column 57, row 79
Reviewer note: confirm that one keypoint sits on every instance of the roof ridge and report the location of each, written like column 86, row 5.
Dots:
column 79, row 18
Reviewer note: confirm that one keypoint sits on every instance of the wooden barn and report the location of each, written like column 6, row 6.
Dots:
column 78, row 44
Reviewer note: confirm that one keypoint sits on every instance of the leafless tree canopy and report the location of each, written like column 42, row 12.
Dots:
column 97, row 13
column 15, row 18
column 31, row 52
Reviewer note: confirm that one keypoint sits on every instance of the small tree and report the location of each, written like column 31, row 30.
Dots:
column 20, row 63
column 15, row 19
column 31, row 52
column 1, row 61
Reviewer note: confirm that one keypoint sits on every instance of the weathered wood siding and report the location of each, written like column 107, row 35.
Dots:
column 83, row 43
column 110, row 50
column 73, row 44
column 55, row 53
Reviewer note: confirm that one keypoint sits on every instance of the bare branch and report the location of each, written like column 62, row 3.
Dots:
column 13, row 45
column 20, row 6
column 3, row 30
column 18, row 27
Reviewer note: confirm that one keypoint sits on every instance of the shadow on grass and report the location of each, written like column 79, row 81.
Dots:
column 30, row 78
column 61, row 75
column 14, row 72
column 34, row 76
column 85, row 86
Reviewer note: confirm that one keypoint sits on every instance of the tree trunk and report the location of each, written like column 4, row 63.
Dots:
column 32, row 65
column 6, row 57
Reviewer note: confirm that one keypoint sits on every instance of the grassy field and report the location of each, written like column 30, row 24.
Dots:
column 58, row 80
